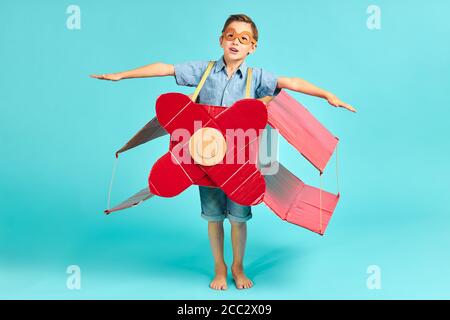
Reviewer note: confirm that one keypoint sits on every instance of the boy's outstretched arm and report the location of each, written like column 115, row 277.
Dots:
column 303, row 86
column 151, row 70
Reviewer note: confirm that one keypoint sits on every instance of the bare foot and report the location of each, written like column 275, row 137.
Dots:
column 241, row 280
column 220, row 280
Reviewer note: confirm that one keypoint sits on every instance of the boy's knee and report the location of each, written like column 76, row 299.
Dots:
column 238, row 223
column 215, row 223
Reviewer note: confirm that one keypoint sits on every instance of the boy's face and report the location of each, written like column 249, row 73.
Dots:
column 234, row 49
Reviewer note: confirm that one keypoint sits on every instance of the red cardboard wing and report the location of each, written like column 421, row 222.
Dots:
column 301, row 129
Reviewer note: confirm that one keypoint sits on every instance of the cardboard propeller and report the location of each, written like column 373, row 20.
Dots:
column 286, row 195
column 187, row 162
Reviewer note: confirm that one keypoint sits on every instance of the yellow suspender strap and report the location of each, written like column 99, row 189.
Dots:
column 249, row 82
column 206, row 74
column 202, row 81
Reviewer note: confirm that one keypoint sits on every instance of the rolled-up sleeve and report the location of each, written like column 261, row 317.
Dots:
column 266, row 83
column 189, row 73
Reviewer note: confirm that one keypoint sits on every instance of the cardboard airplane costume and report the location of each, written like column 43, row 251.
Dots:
column 223, row 167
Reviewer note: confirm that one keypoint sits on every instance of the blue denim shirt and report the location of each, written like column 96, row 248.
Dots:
column 218, row 90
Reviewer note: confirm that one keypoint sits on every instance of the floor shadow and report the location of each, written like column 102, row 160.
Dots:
column 273, row 264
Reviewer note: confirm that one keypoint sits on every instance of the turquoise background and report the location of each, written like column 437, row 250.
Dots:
column 59, row 130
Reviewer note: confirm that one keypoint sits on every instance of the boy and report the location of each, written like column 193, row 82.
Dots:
column 226, row 84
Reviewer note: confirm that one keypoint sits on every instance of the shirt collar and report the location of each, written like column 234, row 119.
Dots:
column 220, row 64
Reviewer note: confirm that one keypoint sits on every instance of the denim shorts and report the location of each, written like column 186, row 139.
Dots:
column 216, row 206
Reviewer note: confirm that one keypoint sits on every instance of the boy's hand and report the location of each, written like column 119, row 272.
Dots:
column 109, row 76
column 335, row 101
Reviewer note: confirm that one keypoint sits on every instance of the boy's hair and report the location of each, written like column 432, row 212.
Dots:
column 242, row 18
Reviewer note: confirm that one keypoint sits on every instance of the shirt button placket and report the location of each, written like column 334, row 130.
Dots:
column 225, row 95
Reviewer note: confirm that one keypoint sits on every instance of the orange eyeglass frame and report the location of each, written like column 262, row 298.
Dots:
column 230, row 34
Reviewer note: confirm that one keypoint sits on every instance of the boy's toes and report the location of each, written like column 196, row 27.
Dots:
column 218, row 284
column 247, row 284
column 242, row 282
